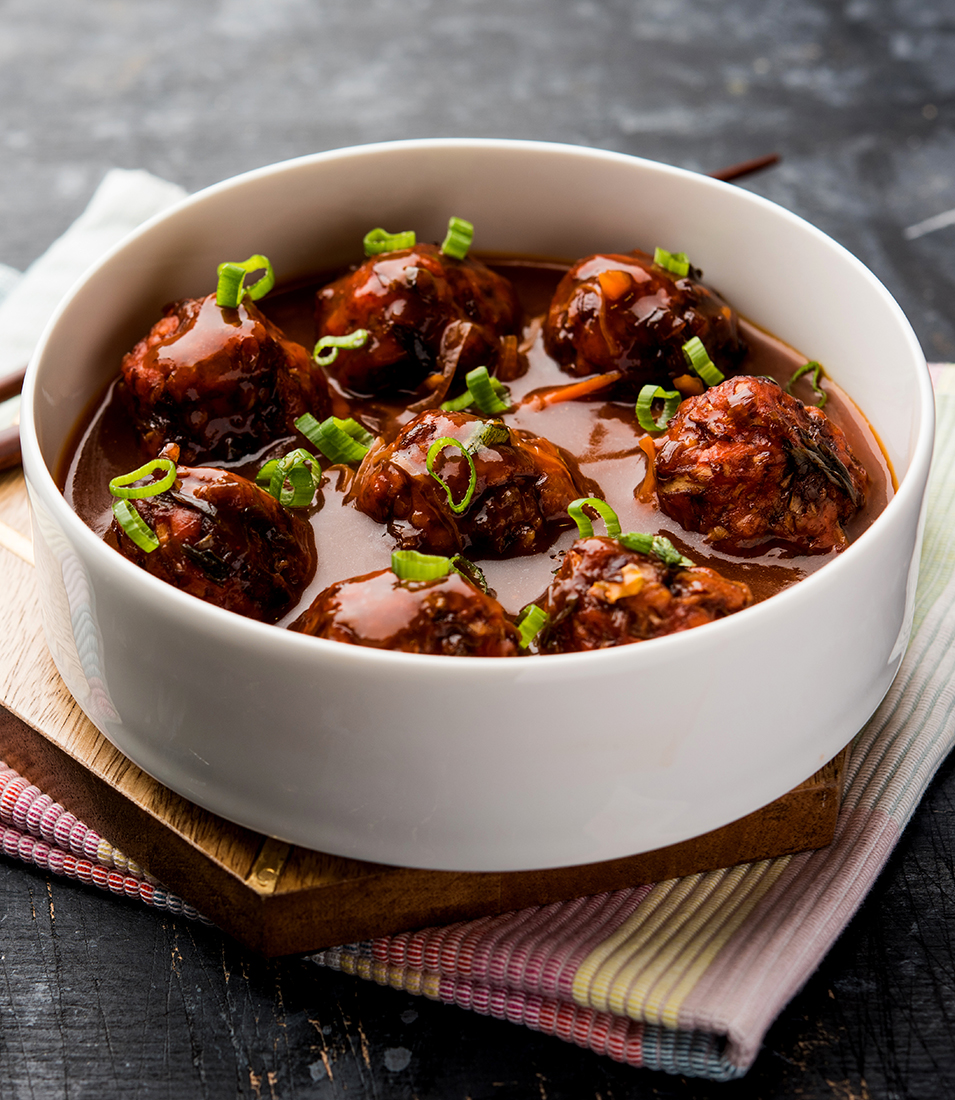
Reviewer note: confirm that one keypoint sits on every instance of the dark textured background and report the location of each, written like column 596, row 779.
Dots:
column 101, row 998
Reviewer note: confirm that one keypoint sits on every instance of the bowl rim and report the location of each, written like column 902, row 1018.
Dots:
column 41, row 480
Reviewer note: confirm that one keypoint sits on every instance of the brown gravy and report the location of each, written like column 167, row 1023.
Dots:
column 603, row 436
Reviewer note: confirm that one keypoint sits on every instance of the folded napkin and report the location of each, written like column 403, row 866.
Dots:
column 684, row 976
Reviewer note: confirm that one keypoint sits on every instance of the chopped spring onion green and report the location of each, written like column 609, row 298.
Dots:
column 350, row 341
column 231, row 289
column 409, row 565
column 649, row 394
column 302, row 472
column 433, row 451
column 655, row 544
column 490, row 396
column 459, row 238
column 380, row 240
column 674, row 262
column 532, row 621
column 492, row 431
column 584, row 525
column 124, row 487
column 340, row 441
column 471, row 571
column 815, row 369
column 696, row 355
column 135, row 526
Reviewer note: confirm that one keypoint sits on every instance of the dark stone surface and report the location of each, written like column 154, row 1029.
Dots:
column 99, row 997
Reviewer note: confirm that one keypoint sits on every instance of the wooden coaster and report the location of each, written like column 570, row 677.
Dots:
column 278, row 898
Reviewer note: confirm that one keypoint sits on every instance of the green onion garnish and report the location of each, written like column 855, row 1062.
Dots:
column 642, row 544
column 530, row 624
column 123, row 486
column 340, row 441
column 584, row 526
column 350, row 341
column 433, row 451
column 231, row 289
column 409, row 565
column 674, row 262
column 655, row 544
column 489, row 394
column 815, row 369
column 380, row 240
column 649, row 394
column 135, row 526
column 492, row 431
column 458, row 239
column 696, row 355
column 471, row 572
column 300, row 469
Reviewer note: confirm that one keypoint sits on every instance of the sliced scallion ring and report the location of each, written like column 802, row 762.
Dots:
column 648, row 394
column 231, row 288
column 815, row 369
column 698, row 358
column 655, row 544
column 380, row 240
column 459, row 237
column 491, row 432
column 409, row 565
column 300, row 469
column 433, row 451
column 124, row 487
column 349, row 341
column 585, row 527
column 676, row 263
column 135, row 526
column 340, row 441
column 471, row 571
column 489, row 395
column 529, row 625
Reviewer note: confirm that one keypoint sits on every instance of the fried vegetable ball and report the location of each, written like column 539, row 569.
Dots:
column 606, row 595
column 225, row 540
column 447, row 616
column 220, row 382
column 522, row 485
column 746, row 463
column 429, row 317
column 626, row 313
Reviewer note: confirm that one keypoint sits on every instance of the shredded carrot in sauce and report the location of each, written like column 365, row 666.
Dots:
column 648, row 488
column 576, row 389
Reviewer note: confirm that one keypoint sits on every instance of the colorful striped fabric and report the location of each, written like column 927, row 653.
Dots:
column 686, row 976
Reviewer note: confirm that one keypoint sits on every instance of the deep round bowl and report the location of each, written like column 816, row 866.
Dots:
column 482, row 764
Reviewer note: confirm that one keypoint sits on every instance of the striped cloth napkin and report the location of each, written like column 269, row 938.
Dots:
column 684, row 976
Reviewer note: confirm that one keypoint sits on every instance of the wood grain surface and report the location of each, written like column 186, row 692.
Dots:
column 281, row 899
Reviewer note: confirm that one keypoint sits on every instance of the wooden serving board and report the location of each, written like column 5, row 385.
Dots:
column 274, row 897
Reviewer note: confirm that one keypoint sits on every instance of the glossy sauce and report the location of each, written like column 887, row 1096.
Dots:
column 602, row 436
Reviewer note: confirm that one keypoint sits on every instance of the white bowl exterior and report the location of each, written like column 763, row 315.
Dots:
column 483, row 764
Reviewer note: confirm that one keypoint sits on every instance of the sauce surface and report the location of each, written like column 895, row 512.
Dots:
column 602, row 436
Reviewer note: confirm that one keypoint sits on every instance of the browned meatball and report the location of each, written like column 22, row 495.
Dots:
column 626, row 313
column 220, row 382
column 225, row 540
column 746, row 463
column 606, row 595
column 446, row 616
column 426, row 314
column 522, row 487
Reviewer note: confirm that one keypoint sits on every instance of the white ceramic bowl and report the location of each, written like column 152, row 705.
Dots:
column 482, row 764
